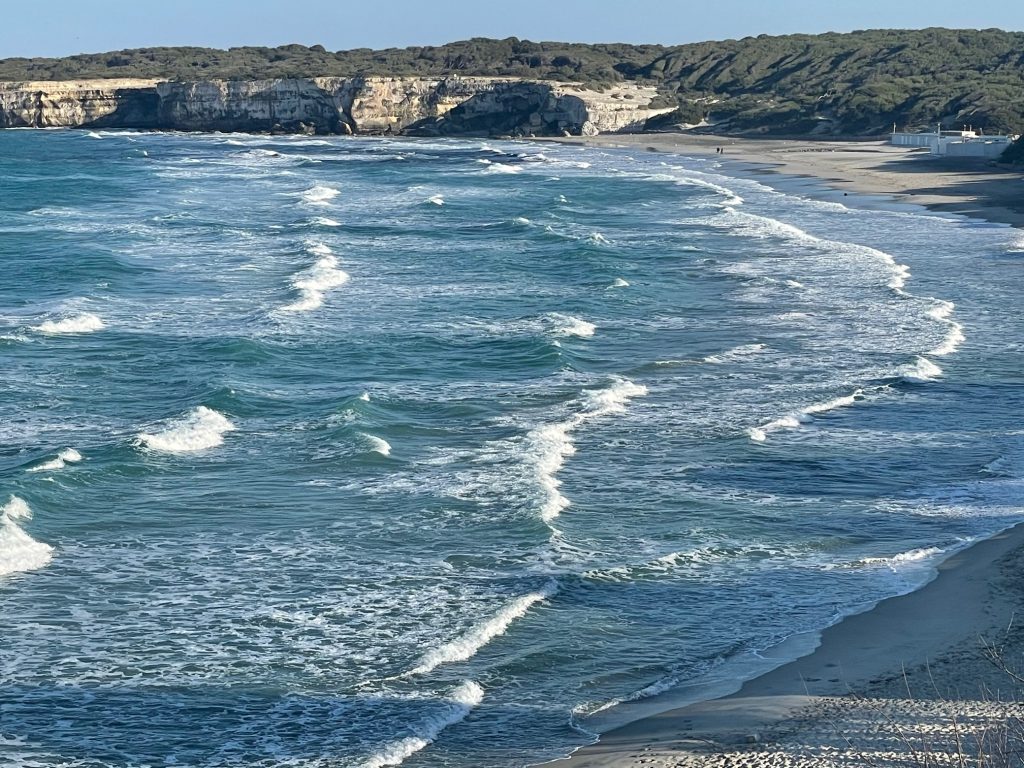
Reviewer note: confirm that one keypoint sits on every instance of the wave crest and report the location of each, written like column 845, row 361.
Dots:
column 19, row 552
column 201, row 429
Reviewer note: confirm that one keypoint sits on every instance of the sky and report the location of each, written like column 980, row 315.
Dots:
column 64, row 27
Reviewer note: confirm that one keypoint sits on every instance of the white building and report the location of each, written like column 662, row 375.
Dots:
column 954, row 143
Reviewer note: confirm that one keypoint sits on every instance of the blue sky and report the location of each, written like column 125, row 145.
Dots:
column 61, row 27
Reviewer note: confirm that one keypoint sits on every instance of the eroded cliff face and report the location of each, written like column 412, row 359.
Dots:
column 373, row 105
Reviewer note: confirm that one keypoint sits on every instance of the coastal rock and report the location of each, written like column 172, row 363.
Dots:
column 450, row 106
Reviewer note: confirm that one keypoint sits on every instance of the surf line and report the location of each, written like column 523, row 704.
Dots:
column 920, row 371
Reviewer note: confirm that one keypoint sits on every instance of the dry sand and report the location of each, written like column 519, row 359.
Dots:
column 969, row 187
column 915, row 680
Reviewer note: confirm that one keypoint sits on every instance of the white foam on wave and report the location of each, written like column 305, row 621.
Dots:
column 921, row 371
column 731, row 198
column 199, row 430
column 65, row 457
column 794, row 419
column 480, row 634
column 436, row 200
column 942, row 313
column 568, row 325
column 903, row 560
column 320, row 194
column 596, row 238
column 501, row 168
column 323, row 221
column 764, row 227
column 462, row 701
column 521, row 221
column 313, row 283
column 19, row 552
column 619, row 283
column 736, row 354
column 85, row 322
column 549, row 445
column 377, row 444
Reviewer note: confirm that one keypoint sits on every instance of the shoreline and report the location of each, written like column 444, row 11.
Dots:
column 859, row 173
column 906, row 658
column 905, row 664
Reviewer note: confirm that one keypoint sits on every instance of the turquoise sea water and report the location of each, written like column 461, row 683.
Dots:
column 360, row 452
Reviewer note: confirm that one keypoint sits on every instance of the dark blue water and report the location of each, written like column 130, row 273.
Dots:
column 354, row 452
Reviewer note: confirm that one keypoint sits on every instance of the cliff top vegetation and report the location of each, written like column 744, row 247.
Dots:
column 854, row 83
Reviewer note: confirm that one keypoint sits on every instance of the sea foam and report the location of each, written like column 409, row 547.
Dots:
column 199, row 430
column 466, row 646
column 462, row 701
column 548, row 446
column 794, row 419
column 312, row 283
column 567, row 325
column 19, row 552
column 320, row 194
column 81, row 323
column 65, row 457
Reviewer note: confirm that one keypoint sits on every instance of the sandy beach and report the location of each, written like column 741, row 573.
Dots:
column 917, row 680
column 968, row 187
column 898, row 685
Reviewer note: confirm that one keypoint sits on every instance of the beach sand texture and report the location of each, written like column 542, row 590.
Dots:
column 919, row 680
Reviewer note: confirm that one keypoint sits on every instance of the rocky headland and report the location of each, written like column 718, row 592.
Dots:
column 418, row 106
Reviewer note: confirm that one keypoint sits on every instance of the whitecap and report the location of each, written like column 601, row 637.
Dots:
column 548, row 446
column 921, row 371
column 81, row 323
column 199, row 430
column 323, row 221
column 436, row 200
column 378, row 444
column 568, row 325
column 312, row 283
column 903, row 559
column 794, row 419
column 462, row 701
column 467, row 646
column 19, row 552
column 501, row 168
column 320, row 194
column 65, row 457
column 619, row 283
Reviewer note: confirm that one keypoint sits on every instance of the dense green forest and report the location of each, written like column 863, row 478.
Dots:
column 853, row 83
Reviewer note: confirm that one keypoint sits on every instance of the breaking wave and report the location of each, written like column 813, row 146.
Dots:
column 462, row 701
column 314, row 282
column 567, row 325
column 65, row 457
column 796, row 418
column 82, row 323
column 466, row 646
column 19, row 552
column 319, row 195
column 201, row 429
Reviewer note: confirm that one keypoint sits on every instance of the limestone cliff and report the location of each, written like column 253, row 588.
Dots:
column 422, row 106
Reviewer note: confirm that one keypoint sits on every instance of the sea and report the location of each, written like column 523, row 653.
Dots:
column 364, row 452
